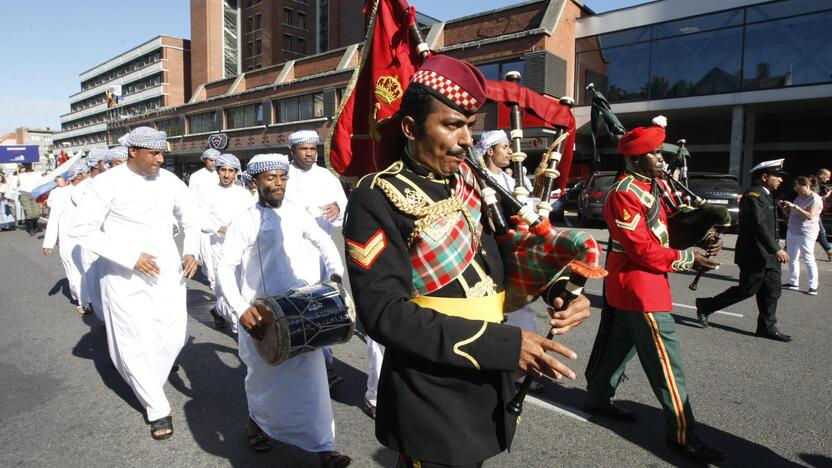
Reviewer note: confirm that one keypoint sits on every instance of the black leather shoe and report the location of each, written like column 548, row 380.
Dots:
column 701, row 315
column 612, row 411
column 697, row 451
column 775, row 335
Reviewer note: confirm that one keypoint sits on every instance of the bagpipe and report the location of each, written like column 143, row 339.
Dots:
column 537, row 257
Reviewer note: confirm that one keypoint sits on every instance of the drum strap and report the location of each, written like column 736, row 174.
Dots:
column 486, row 308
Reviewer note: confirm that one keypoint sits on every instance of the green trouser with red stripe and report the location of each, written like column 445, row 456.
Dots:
column 653, row 336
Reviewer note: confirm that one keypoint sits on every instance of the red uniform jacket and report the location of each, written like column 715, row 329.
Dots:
column 639, row 258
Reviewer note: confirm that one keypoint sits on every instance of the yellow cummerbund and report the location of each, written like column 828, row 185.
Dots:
column 487, row 308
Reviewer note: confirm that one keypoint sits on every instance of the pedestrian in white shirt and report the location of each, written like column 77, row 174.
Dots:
column 320, row 193
column 200, row 182
column 802, row 231
column 125, row 218
column 270, row 243
column 223, row 203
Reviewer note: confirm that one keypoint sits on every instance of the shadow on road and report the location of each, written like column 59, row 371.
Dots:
column 694, row 323
column 93, row 346
column 216, row 409
column 647, row 433
column 816, row 460
column 61, row 286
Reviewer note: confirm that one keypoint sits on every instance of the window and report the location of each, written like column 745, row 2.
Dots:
column 287, row 42
column 788, row 52
column 250, row 49
column 250, row 24
column 205, row 122
column 301, row 23
column 171, row 126
column 245, row 116
column 258, row 47
column 257, row 21
column 497, row 71
column 300, row 45
column 287, row 16
column 305, row 107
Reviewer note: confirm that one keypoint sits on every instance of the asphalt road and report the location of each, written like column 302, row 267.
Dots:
column 62, row 403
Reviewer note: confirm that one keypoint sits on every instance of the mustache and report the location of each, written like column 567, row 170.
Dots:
column 456, row 152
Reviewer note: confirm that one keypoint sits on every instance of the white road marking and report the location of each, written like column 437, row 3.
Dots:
column 723, row 312
column 562, row 409
column 684, row 306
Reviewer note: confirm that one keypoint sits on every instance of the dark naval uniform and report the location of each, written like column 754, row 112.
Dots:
column 428, row 283
column 755, row 255
column 638, row 291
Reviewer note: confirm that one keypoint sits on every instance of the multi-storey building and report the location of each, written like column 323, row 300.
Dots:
column 741, row 80
column 230, row 37
column 257, row 109
column 152, row 76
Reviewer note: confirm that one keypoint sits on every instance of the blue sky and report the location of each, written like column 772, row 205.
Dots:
column 48, row 43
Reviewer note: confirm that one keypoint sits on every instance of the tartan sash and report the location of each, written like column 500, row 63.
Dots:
column 447, row 232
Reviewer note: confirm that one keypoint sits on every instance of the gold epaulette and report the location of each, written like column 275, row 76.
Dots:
column 392, row 169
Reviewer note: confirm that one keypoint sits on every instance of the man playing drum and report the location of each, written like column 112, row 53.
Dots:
column 271, row 243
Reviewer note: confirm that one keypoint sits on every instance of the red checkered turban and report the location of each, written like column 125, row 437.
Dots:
column 456, row 83
column 641, row 140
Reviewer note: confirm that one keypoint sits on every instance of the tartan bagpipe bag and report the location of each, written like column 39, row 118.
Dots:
column 535, row 258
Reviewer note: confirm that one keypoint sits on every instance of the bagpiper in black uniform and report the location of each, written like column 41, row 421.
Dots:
column 758, row 254
column 428, row 281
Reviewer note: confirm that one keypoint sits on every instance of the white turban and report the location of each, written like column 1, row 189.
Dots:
column 146, row 137
column 210, row 153
column 267, row 162
column 491, row 138
column 304, row 137
column 228, row 160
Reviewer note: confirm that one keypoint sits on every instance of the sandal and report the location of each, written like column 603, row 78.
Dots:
column 257, row 439
column 334, row 459
column 219, row 321
column 334, row 378
column 161, row 428
column 369, row 409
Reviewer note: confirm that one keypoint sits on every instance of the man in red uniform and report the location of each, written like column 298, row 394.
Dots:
column 638, row 295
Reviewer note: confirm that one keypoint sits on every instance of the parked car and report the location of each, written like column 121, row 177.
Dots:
column 568, row 201
column 718, row 189
column 591, row 200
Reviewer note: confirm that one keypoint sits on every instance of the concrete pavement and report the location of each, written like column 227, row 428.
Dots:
column 62, row 404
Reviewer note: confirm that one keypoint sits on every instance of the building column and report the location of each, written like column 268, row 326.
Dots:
column 737, row 127
column 748, row 148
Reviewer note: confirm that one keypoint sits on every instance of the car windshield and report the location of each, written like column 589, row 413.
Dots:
column 714, row 184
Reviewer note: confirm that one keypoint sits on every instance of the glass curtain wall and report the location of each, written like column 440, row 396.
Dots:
column 771, row 45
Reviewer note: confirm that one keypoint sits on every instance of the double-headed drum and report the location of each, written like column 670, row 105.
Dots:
column 303, row 320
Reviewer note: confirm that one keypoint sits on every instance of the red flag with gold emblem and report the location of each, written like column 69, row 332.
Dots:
column 366, row 134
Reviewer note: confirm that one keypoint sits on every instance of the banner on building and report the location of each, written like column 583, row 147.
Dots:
column 19, row 154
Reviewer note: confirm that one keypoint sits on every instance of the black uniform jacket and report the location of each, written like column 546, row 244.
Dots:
column 757, row 239
column 434, row 404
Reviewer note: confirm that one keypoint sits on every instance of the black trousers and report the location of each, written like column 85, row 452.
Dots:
column 763, row 283
column 407, row 462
